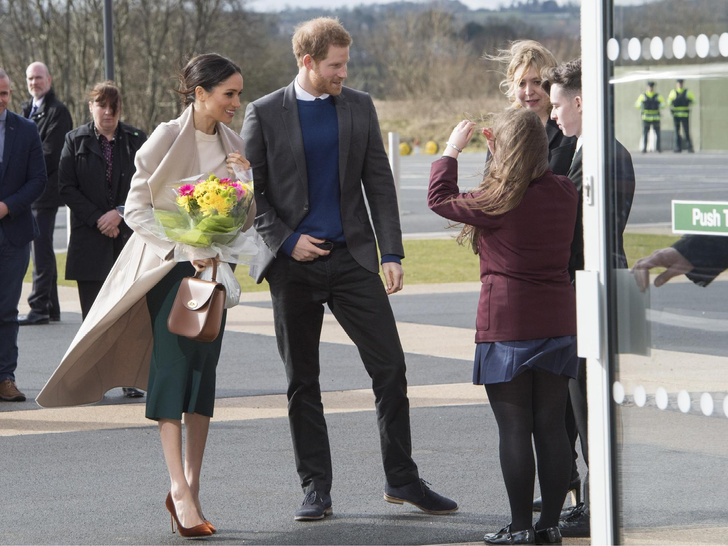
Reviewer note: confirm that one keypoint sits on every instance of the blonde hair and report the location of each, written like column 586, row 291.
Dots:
column 519, row 57
column 521, row 155
column 314, row 37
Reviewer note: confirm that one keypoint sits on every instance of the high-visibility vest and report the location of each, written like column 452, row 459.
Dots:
column 650, row 104
column 680, row 101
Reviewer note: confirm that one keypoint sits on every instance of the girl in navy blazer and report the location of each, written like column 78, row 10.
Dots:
column 520, row 221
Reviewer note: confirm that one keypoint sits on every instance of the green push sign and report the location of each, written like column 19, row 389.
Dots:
column 700, row 217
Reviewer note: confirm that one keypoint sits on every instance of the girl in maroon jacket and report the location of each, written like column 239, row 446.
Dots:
column 520, row 221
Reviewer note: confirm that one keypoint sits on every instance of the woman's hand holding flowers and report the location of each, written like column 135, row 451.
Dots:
column 236, row 159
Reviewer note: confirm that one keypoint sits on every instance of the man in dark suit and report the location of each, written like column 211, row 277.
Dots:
column 22, row 179
column 53, row 121
column 565, row 94
column 312, row 146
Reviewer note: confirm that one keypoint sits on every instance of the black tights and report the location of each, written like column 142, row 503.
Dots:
column 533, row 403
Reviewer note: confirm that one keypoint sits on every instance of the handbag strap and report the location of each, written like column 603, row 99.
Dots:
column 214, row 271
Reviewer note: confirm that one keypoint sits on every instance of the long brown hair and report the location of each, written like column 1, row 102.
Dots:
column 521, row 155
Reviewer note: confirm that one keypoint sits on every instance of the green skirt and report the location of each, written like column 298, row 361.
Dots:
column 182, row 371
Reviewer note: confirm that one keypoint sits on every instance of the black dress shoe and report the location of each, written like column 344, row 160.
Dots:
column 550, row 535
column 55, row 318
column 131, row 392
column 576, row 523
column 315, row 506
column 33, row 319
column 504, row 536
column 418, row 494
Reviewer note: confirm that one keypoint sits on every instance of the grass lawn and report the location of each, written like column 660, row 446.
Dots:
column 433, row 261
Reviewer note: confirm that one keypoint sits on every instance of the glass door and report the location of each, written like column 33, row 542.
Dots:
column 655, row 81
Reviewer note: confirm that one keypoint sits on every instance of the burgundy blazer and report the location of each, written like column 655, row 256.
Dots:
column 524, row 256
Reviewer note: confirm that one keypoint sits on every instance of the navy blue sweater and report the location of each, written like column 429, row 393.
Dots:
column 320, row 130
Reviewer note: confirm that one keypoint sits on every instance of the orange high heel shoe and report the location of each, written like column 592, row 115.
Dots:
column 210, row 525
column 201, row 530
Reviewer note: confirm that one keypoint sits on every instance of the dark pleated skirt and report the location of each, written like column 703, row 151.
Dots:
column 182, row 371
column 501, row 361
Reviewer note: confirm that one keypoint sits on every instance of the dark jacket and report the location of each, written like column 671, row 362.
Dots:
column 524, row 253
column 82, row 184
column 620, row 193
column 707, row 253
column 274, row 147
column 22, row 178
column 54, row 121
column 561, row 148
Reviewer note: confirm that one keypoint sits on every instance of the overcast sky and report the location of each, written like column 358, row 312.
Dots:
column 278, row 5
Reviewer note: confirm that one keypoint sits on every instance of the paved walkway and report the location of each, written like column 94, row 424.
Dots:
column 95, row 474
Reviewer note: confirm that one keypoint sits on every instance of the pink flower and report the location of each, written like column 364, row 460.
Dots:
column 187, row 189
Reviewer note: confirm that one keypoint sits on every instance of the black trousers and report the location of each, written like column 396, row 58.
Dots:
column 360, row 304
column 646, row 132
column 43, row 298
column 88, row 291
column 685, row 124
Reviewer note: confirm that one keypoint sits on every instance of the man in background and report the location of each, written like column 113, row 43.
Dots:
column 650, row 102
column 22, row 179
column 565, row 93
column 680, row 100
column 53, row 121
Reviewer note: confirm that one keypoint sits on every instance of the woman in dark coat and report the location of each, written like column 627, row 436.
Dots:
column 96, row 167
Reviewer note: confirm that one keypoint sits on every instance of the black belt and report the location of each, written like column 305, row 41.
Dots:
column 331, row 245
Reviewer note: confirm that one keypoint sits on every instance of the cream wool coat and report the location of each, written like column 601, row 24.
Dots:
column 113, row 347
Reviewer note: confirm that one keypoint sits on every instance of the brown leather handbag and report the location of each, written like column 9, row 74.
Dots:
column 197, row 309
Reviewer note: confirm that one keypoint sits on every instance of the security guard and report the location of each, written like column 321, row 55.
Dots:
column 680, row 100
column 650, row 102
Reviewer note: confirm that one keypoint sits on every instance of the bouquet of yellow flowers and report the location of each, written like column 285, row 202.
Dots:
column 210, row 212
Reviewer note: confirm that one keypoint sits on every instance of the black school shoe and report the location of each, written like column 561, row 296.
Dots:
column 550, row 535
column 418, row 494
column 315, row 506
column 505, row 536
column 576, row 523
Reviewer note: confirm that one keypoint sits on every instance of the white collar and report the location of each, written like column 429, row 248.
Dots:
column 302, row 94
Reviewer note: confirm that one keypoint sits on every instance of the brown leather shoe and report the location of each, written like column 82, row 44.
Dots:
column 9, row 392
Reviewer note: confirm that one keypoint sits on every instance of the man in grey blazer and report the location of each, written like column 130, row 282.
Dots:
column 317, row 156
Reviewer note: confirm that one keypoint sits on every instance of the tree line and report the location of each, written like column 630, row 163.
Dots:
column 412, row 55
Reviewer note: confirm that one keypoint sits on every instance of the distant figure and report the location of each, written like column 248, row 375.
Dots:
column 680, row 100
column 54, row 121
column 650, row 102
column 22, row 179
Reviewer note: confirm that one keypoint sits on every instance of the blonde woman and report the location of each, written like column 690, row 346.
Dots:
column 520, row 221
column 524, row 61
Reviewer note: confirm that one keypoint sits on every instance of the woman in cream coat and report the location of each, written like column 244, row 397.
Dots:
column 124, row 339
